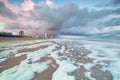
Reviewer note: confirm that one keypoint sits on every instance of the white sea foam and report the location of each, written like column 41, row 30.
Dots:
column 109, row 50
column 88, row 75
column 114, row 67
column 14, row 50
column 24, row 71
column 64, row 69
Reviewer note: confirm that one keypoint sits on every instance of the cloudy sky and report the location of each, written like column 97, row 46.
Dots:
column 64, row 17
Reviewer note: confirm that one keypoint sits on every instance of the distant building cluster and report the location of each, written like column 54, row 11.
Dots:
column 10, row 34
column 45, row 35
column 6, row 34
column 22, row 34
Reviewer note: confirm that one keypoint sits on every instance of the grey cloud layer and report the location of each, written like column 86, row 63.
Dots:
column 112, row 22
column 68, row 19
column 116, row 2
column 86, row 19
column 18, row 26
column 110, row 3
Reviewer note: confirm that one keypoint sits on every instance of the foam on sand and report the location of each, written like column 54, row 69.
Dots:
column 110, row 52
column 101, row 53
column 14, row 50
column 24, row 71
column 104, row 54
column 62, row 73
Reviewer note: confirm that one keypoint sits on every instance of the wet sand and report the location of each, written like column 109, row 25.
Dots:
column 10, row 39
column 76, row 55
column 13, row 61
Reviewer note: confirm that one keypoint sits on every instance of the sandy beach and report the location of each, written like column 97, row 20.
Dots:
column 9, row 39
column 55, row 59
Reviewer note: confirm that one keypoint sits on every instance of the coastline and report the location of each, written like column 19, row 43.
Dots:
column 10, row 39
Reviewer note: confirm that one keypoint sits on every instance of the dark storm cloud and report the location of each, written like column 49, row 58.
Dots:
column 5, row 11
column 57, row 16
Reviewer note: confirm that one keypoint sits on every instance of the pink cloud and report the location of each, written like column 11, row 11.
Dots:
column 25, row 19
column 5, row 20
column 28, row 5
column 13, row 8
column 50, row 3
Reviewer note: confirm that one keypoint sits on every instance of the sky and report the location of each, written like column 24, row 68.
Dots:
column 60, row 17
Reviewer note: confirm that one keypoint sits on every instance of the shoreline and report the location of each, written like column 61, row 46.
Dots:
column 11, row 39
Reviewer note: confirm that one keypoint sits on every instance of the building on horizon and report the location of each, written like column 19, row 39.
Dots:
column 46, row 35
column 21, row 33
